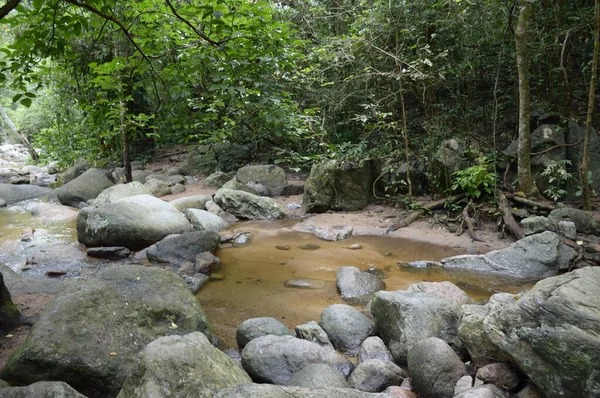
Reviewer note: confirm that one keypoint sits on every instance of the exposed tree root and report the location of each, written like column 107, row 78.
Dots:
column 469, row 221
column 530, row 203
column 509, row 220
column 415, row 215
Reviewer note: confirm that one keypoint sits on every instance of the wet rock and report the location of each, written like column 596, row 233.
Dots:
column 274, row 359
column 12, row 194
column 206, row 263
column 551, row 333
column 584, row 221
column 202, row 220
column 241, row 239
column 318, row 375
column 357, row 286
column 445, row 290
column 501, row 374
column 374, row 348
column 89, row 335
column 335, row 233
column 420, row 264
column 312, row 284
column 181, row 366
column 51, row 213
column 158, row 187
column 54, row 254
column 257, row 327
column 191, row 202
column 434, row 368
column 346, row 327
column 109, row 253
column 247, row 206
column 83, row 188
column 185, row 247
column 312, row 332
column 280, row 247
column 270, row 176
column 309, row 246
column 217, row 179
column 120, row 191
column 376, row 375
column 195, row 282
column 333, row 186
column 534, row 257
column 135, row 222
column 9, row 313
column 271, row 391
column 42, row 389
column 354, row 246
column 537, row 224
column 485, row 391
column 405, row 318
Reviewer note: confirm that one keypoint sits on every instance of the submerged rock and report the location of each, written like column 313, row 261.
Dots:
column 52, row 213
column 357, row 286
column 181, row 366
column 176, row 250
column 312, row 284
column 15, row 193
column 89, row 335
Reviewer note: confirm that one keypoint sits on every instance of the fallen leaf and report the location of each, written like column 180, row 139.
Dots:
column 113, row 354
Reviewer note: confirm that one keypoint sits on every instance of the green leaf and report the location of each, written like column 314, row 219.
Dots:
column 37, row 4
column 17, row 97
column 26, row 102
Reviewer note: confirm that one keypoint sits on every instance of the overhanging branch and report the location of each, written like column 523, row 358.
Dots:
column 8, row 7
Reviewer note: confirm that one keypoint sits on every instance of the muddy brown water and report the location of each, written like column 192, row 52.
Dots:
column 251, row 277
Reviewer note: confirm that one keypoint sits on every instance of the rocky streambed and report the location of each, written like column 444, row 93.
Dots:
column 306, row 309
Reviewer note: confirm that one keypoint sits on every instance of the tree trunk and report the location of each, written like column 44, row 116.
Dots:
column 585, row 161
column 526, row 183
column 22, row 137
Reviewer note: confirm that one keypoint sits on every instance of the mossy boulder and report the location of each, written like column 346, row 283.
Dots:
column 89, row 335
column 9, row 313
column 85, row 187
column 337, row 185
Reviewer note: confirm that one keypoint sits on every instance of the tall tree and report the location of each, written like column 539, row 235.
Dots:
column 526, row 183
column 585, row 162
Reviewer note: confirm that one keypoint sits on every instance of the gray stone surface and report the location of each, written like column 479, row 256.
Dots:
column 217, row 179
column 346, row 327
column 120, row 191
column 158, row 187
column 9, row 313
column 257, row 327
column 90, row 334
column 318, row 375
column 202, row 220
column 54, row 213
column 271, row 391
column 191, row 202
column 445, row 290
column 533, row 257
column 135, row 222
column 485, row 391
column 270, row 176
column 255, row 189
column 246, row 206
column 109, row 253
column 176, row 250
column 376, row 375
column 585, row 222
column 501, row 374
column 334, row 233
column 311, row 331
column 274, row 359
column 181, row 366
column 15, row 193
column 434, row 368
column 405, row 318
column 537, row 224
column 374, row 348
column 567, row 229
column 41, row 389
column 357, row 286
column 83, row 188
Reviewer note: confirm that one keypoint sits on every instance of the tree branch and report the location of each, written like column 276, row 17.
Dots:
column 188, row 23
column 8, row 7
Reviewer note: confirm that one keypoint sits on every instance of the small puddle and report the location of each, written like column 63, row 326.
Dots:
column 251, row 277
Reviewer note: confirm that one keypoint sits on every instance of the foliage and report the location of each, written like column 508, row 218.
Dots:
column 476, row 180
column 557, row 176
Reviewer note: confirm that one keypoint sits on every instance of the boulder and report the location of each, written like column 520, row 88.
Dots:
column 257, row 327
column 346, row 327
column 135, row 222
column 311, row 331
column 501, row 374
column 181, row 366
column 335, row 233
column 15, row 193
column 139, row 175
column 120, row 191
column 568, row 229
column 191, row 202
column 485, row 391
column 89, row 335
column 374, row 348
column 83, row 188
column 585, row 223
column 173, row 171
column 271, row 176
column 274, row 359
column 52, row 213
column 405, row 318
column 217, row 179
column 552, row 333
column 533, row 257
column 376, row 375
column 109, row 253
column 445, row 290
column 318, row 375
column 75, row 171
column 202, row 220
column 176, row 250
column 255, row 189
column 246, row 206
column 537, row 224
column 158, row 187
column 338, row 186
column 41, row 389
column 434, row 368
column 9, row 313
column 206, row 263
column 357, row 286
column 195, row 282
column 271, row 391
